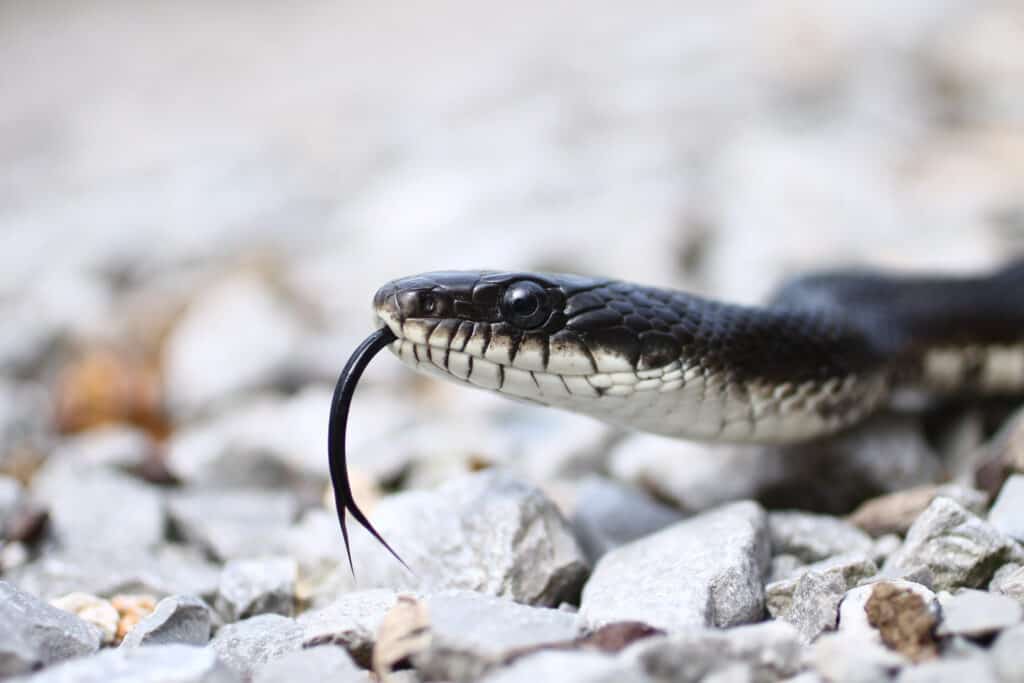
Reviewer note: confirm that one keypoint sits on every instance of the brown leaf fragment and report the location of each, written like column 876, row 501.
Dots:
column 404, row 631
column 904, row 621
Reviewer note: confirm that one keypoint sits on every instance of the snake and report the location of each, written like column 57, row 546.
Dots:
column 826, row 351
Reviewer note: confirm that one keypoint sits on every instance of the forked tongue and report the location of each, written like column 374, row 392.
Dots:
column 336, row 428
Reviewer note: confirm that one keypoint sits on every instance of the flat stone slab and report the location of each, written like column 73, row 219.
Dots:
column 154, row 664
column 704, row 571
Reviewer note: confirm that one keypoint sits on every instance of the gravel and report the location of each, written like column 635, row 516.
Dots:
column 179, row 619
column 704, row 571
column 1007, row 513
column 975, row 614
column 263, row 585
column 34, row 634
column 156, row 664
column 247, row 645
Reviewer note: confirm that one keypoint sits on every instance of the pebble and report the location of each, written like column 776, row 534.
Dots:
column 903, row 615
column 812, row 538
column 959, row 548
column 844, row 658
column 1006, row 655
column 810, row 600
column 976, row 669
column 771, row 650
column 1009, row 580
column 608, row 514
column 568, row 667
column 34, row 634
column 487, row 532
column 975, row 613
column 168, row 570
column 324, row 663
column 501, row 627
column 154, row 664
column 245, row 646
column 1007, row 513
column 92, row 610
column 237, row 336
column 234, row 524
column 351, row 621
column 182, row 619
column 894, row 513
column 264, row 585
column 98, row 509
column 704, row 571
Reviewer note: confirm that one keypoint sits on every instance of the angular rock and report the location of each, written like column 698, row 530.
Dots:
column 976, row 669
column 247, row 645
column 351, row 621
column 1007, row 513
column 568, row 667
column 704, row 571
column 1006, row 655
column 846, row 658
column 772, row 650
column 499, row 628
column 486, row 532
column 155, row 664
column 813, row 538
column 324, row 663
column 608, row 514
column 234, row 524
column 974, row 613
column 181, row 619
column 169, row 570
column 206, row 357
column 98, row 509
column 894, row 513
column 257, row 586
column 956, row 546
column 810, row 600
column 34, row 634
column 92, row 610
column 1009, row 580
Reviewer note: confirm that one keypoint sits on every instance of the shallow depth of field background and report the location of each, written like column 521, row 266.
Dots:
column 198, row 199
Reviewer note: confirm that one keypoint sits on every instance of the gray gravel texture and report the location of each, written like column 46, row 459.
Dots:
column 197, row 203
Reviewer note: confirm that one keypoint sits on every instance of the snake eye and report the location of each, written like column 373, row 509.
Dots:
column 524, row 304
column 428, row 302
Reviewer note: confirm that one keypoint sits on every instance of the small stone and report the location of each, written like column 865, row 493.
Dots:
column 257, row 586
column 1007, row 513
column 974, row 613
column 900, row 614
column 324, row 663
column 183, row 619
column 844, row 658
column 247, row 645
column 351, row 621
column 976, row 669
column 894, row 513
column 131, row 609
column 568, row 667
column 783, row 567
column 812, row 537
column 96, row 509
column 500, row 627
column 154, row 664
column 238, row 335
column 1006, row 655
column 34, row 634
column 704, row 571
column 772, row 650
column 487, row 532
column 1009, row 580
column 92, row 610
column 601, row 522
column 234, row 524
column 810, row 600
column 955, row 545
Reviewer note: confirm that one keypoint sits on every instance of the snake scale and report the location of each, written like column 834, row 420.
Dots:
column 825, row 352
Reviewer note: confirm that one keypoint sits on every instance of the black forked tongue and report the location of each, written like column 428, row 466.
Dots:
column 346, row 386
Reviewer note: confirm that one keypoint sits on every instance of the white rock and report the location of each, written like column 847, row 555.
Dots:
column 1007, row 513
column 247, row 645
column 568, row 667
column 853, row 618
column 974, row 613
column 154, row 664
column 704, row 571
column 257, row 585
column 325, row 663
column 182, row 619
column 812, row 537
column 351, row 622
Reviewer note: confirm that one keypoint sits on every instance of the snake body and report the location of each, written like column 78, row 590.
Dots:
column 825, row 352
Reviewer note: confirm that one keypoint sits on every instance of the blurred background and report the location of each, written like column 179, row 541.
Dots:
column 198, row 200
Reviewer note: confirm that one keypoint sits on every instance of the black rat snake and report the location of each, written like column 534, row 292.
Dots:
column 823, row 354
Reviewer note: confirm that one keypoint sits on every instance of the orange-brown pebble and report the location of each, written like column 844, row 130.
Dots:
column 131, row 609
